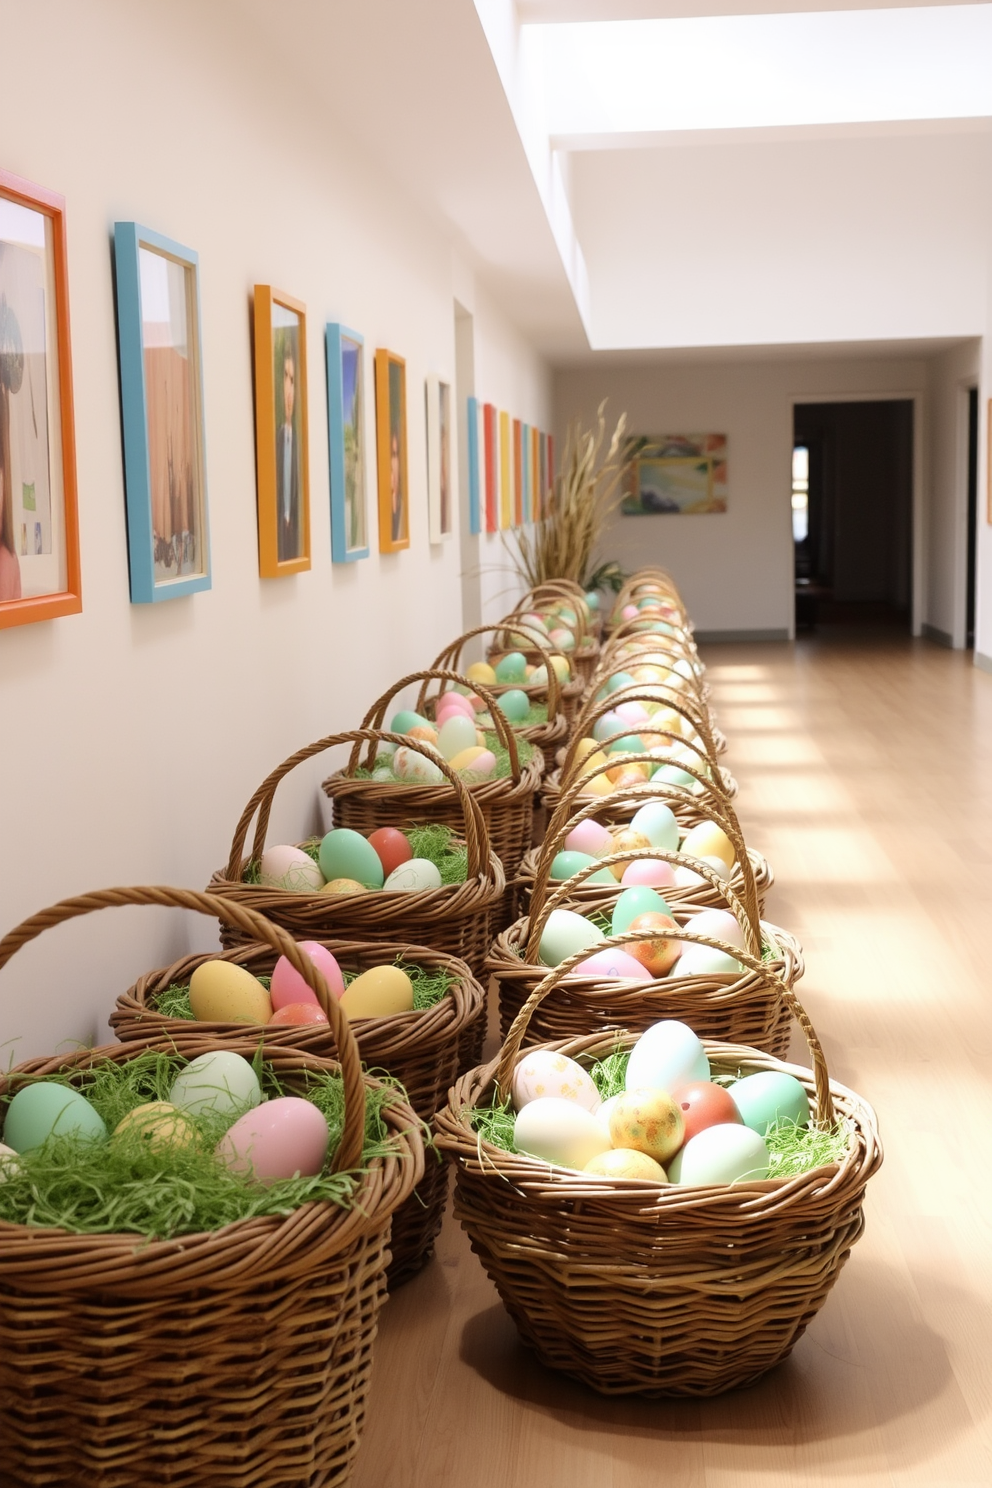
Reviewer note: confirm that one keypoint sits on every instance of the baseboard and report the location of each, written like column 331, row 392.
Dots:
column 983, row 662
column 940, row 637
column 716, row 637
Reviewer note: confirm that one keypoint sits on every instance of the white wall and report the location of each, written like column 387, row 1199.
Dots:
column 134, row 735
column 950, row 375
column 735, row 570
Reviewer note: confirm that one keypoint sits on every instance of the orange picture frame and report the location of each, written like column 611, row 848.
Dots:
column 282, row 469
column 391, row 457
column 36, row 370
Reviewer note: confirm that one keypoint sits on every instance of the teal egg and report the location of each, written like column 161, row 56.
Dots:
column 618, row 682
column 567, row 615
column 657, row 823
column 346, row 854
column 567, row 863
column 629, row 744
column 610, row 723
column 565, row 934
column 672, row 775
column 514, row 705
column 406, row 719
column 592, row 599
column 768, row 1097
column 46, row 1109
column 637, row 900
column 512, row 667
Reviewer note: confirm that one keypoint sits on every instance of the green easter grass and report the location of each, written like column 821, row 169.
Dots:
column 792, row 1149
column 127, row 1186
column 429, row 986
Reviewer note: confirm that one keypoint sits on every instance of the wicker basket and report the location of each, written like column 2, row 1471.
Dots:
column 741, row 1009
column 458, row 919
column 506, row 805
column 637, row 1288
column 688, row 806
column 233, row 1359
column 426, row 1051
column 547, row 736
column 553, row 591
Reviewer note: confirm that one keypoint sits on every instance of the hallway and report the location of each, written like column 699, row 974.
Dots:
column 865, row 766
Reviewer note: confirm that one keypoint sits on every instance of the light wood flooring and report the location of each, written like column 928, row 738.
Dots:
column 865, row 766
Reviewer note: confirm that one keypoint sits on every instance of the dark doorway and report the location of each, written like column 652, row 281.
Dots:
column 853, row 564
column 969, row 612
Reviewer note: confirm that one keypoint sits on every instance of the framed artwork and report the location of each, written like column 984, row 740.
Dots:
column 505, row 472
column 543, row 466
column 474, row 447
column 39, row 536
column 282, row 467
column 158, row 340
column 518, row 474
column 549, row 477
column 390, row 425
column 491, row 466
column 346, row 440
column 677, row 473
column 535, row 475
column 439, row 460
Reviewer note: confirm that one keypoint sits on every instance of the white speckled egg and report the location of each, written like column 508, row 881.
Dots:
column 415, row 768
column 544, row 1073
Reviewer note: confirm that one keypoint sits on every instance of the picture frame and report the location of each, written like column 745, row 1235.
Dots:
column 474, row 446
column 440, row 459
column 39, row 519
column 518, row 474
column 491, row 466
column 676, row 474
column 391, row 452
column 505, row 473
column 345, row 352
column 282, row 470
column 159, row 346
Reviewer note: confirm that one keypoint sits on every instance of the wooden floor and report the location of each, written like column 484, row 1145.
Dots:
column 865, row 767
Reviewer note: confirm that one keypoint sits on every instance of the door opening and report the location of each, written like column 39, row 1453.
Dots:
column 969, row 612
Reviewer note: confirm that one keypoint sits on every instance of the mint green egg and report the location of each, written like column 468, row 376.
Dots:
column 406, row 719
column 629, row 744
column 567, row 863
column 567, row 615
column 514, row 705
column 610, row 723
column 512, row 667
column 46, row 1109
column 658, row 824
column 565, row 934
column 768, row 1097
column 346, row 854
column 637, row 900
column 592, row 599
column 672, row 775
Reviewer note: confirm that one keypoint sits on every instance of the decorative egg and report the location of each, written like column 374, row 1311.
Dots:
column 590, row 838
column 220, row 1082
column 627, row 840
column 564, row 640
column 607, row 726
column 455, row 702
column 512, row 667
column 345, row 853
column 616, row 683
column 769, row 1097
column 704, row 1104
column 648, row 1120
column 656, row 956
column 720, row 924
column 596, row 785
column 624, row 1164
column 9, row 1163
column 424, row 733
column 297, row 1014
column 159, row 1124
column 633, row 902
column 667, row 1055
column 559, row 1131
column 561, row 668
column 457, row 734
column 720, row 1154
column 700, row 960
column 290, row 868
column 629, row 612
column 565, row 934
column 584, row 747
column 592, row 599
column 685, row 878
column 567, row 863
column 220, row 992
column 406, row 719
column 414, row 877
column 628, row 744
column 344, row 886
column 45, row 1109
column 592, row 762
column 534, row 622
column 378, row 993
column 657, row 823
column 288, row 986
column 514, row 705
column 674, row 775
column 475, row 761
column 612, row 964
column 415, row 768
column 481, row 672
column 544, row 1073
column 633, row 713
column 391, row 847
column 284, row 1138
column 707, row 840
column 654, row 872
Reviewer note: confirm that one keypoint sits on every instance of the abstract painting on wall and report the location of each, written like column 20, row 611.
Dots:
column 677, row 473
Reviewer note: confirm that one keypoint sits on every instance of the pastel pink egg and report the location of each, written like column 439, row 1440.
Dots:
column 589, row 837
column 633, row 712
column 612, row 963
column 276, row 1140
column 287, row 984
column 650, row 871
column 455, row 700
column 629, row 612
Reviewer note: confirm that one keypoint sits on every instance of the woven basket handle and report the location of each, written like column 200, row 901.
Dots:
column 256, row 927
column 476, row 835
column 377, row 713
column 676, row 639
column 452, row 657
column 551, row 591
column 542, row 909
column 594, row 709
column 515, row 1036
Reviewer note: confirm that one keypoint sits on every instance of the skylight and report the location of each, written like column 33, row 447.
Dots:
column 615, row 78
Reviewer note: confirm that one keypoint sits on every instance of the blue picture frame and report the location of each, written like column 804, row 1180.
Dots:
column 474, row 501
column 347, row 445
column 162, row 414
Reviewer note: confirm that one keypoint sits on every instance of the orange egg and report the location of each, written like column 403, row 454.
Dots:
column 656, row 956
column 424, row 732
column 626, row 840
column 344, row 886
column 648, row 1121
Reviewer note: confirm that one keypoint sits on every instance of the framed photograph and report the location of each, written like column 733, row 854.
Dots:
column 39, row 536
column 158, row 340
column 677, row 473
column 439, row 460
column 282, row 469
column 390, row 429
column 475, row 444
column 346, row 439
